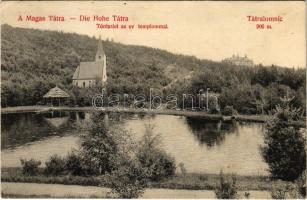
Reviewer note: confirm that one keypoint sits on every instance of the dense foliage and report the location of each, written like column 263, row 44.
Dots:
column 229, row 111
column 33, row 61
column 99, row 145
column 75, row 164
column 55, row 165
column 110, row 151
column 289, row 191
column 128, row 180
column 284, row 148
column 30, row 167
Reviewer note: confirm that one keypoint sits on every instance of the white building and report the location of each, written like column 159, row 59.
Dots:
column 240, row 61
column 87, row 73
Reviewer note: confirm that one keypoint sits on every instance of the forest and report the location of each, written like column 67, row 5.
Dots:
column 33, row 61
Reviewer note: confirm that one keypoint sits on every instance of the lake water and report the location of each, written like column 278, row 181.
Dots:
column 202, row 146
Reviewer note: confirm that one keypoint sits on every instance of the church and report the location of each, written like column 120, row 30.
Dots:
column 87, row 73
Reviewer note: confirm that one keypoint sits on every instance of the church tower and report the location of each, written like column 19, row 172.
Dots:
column 86, row 73
column 101, row 57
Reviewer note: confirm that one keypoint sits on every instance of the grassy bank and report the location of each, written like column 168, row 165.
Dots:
column 189, row 181
column 47, row 196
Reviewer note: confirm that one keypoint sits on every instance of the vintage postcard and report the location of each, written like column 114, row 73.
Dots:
column 176, row 99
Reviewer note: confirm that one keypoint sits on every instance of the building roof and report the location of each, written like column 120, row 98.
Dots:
column 56, row 92
column 238, row 60
column 88, row 70
column 100, row 50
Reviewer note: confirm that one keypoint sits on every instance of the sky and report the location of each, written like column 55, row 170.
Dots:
column 208, row 30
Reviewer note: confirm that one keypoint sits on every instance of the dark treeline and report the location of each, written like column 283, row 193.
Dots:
column 33, row 61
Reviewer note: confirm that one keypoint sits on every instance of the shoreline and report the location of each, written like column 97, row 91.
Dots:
column 33, row 190
column 186, row 113
column 189, row 181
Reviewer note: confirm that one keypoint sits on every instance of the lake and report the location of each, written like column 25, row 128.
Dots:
column 202, row 146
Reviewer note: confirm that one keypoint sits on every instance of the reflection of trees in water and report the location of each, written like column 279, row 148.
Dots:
column 55, row 114
column 142, row 115
column 121, row 117
column 210, row 133
column 81, row 115
column 57, row 119
column 15, row 128
column 22, row 128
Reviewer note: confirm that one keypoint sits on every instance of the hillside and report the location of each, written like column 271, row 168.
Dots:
column 33, row 61
column 30, row 56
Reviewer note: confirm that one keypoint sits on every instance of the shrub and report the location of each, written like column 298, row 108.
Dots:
column 128, row 180
column 226, row 189
column 229, row 111
column 246, row 195
column 55, row 165
column 290, row 191
column 158, row 164
column 284, row 148
column 30, row 167
column 278, row 193
column 182, row 169
column 73, row 164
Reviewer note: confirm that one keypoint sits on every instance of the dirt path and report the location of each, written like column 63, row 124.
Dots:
column 61, row 191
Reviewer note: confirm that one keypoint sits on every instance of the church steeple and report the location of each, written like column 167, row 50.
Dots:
column 101, row 58
column 100, row 52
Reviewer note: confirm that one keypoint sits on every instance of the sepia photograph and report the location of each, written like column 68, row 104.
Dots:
column 153, row 100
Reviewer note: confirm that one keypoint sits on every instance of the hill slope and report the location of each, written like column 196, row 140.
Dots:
column 30, row 56
column 33, row 61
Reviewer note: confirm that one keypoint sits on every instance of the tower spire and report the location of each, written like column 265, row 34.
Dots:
column 100, row 52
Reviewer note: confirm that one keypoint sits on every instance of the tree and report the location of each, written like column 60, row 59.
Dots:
column 129, row 179
column 157, row 162
column 102, row 142
column 284, row 148
column 98, row 144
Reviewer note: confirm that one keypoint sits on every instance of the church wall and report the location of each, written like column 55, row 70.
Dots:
column 83, row 83
column 100, row 58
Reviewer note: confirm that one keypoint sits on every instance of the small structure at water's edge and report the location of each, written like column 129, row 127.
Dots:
column 55, row 95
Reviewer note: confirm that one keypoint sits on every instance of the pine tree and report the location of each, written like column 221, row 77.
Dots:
column 98, row 144
column 284, row 148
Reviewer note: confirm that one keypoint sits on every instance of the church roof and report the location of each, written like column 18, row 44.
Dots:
column 88, row 70
column 56, row 92
column 100, row 50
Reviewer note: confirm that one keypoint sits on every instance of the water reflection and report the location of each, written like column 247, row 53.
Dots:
column 121, row 117
column 57, row 119
column 210, row 133
column 19, row 129
column 203, row 146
